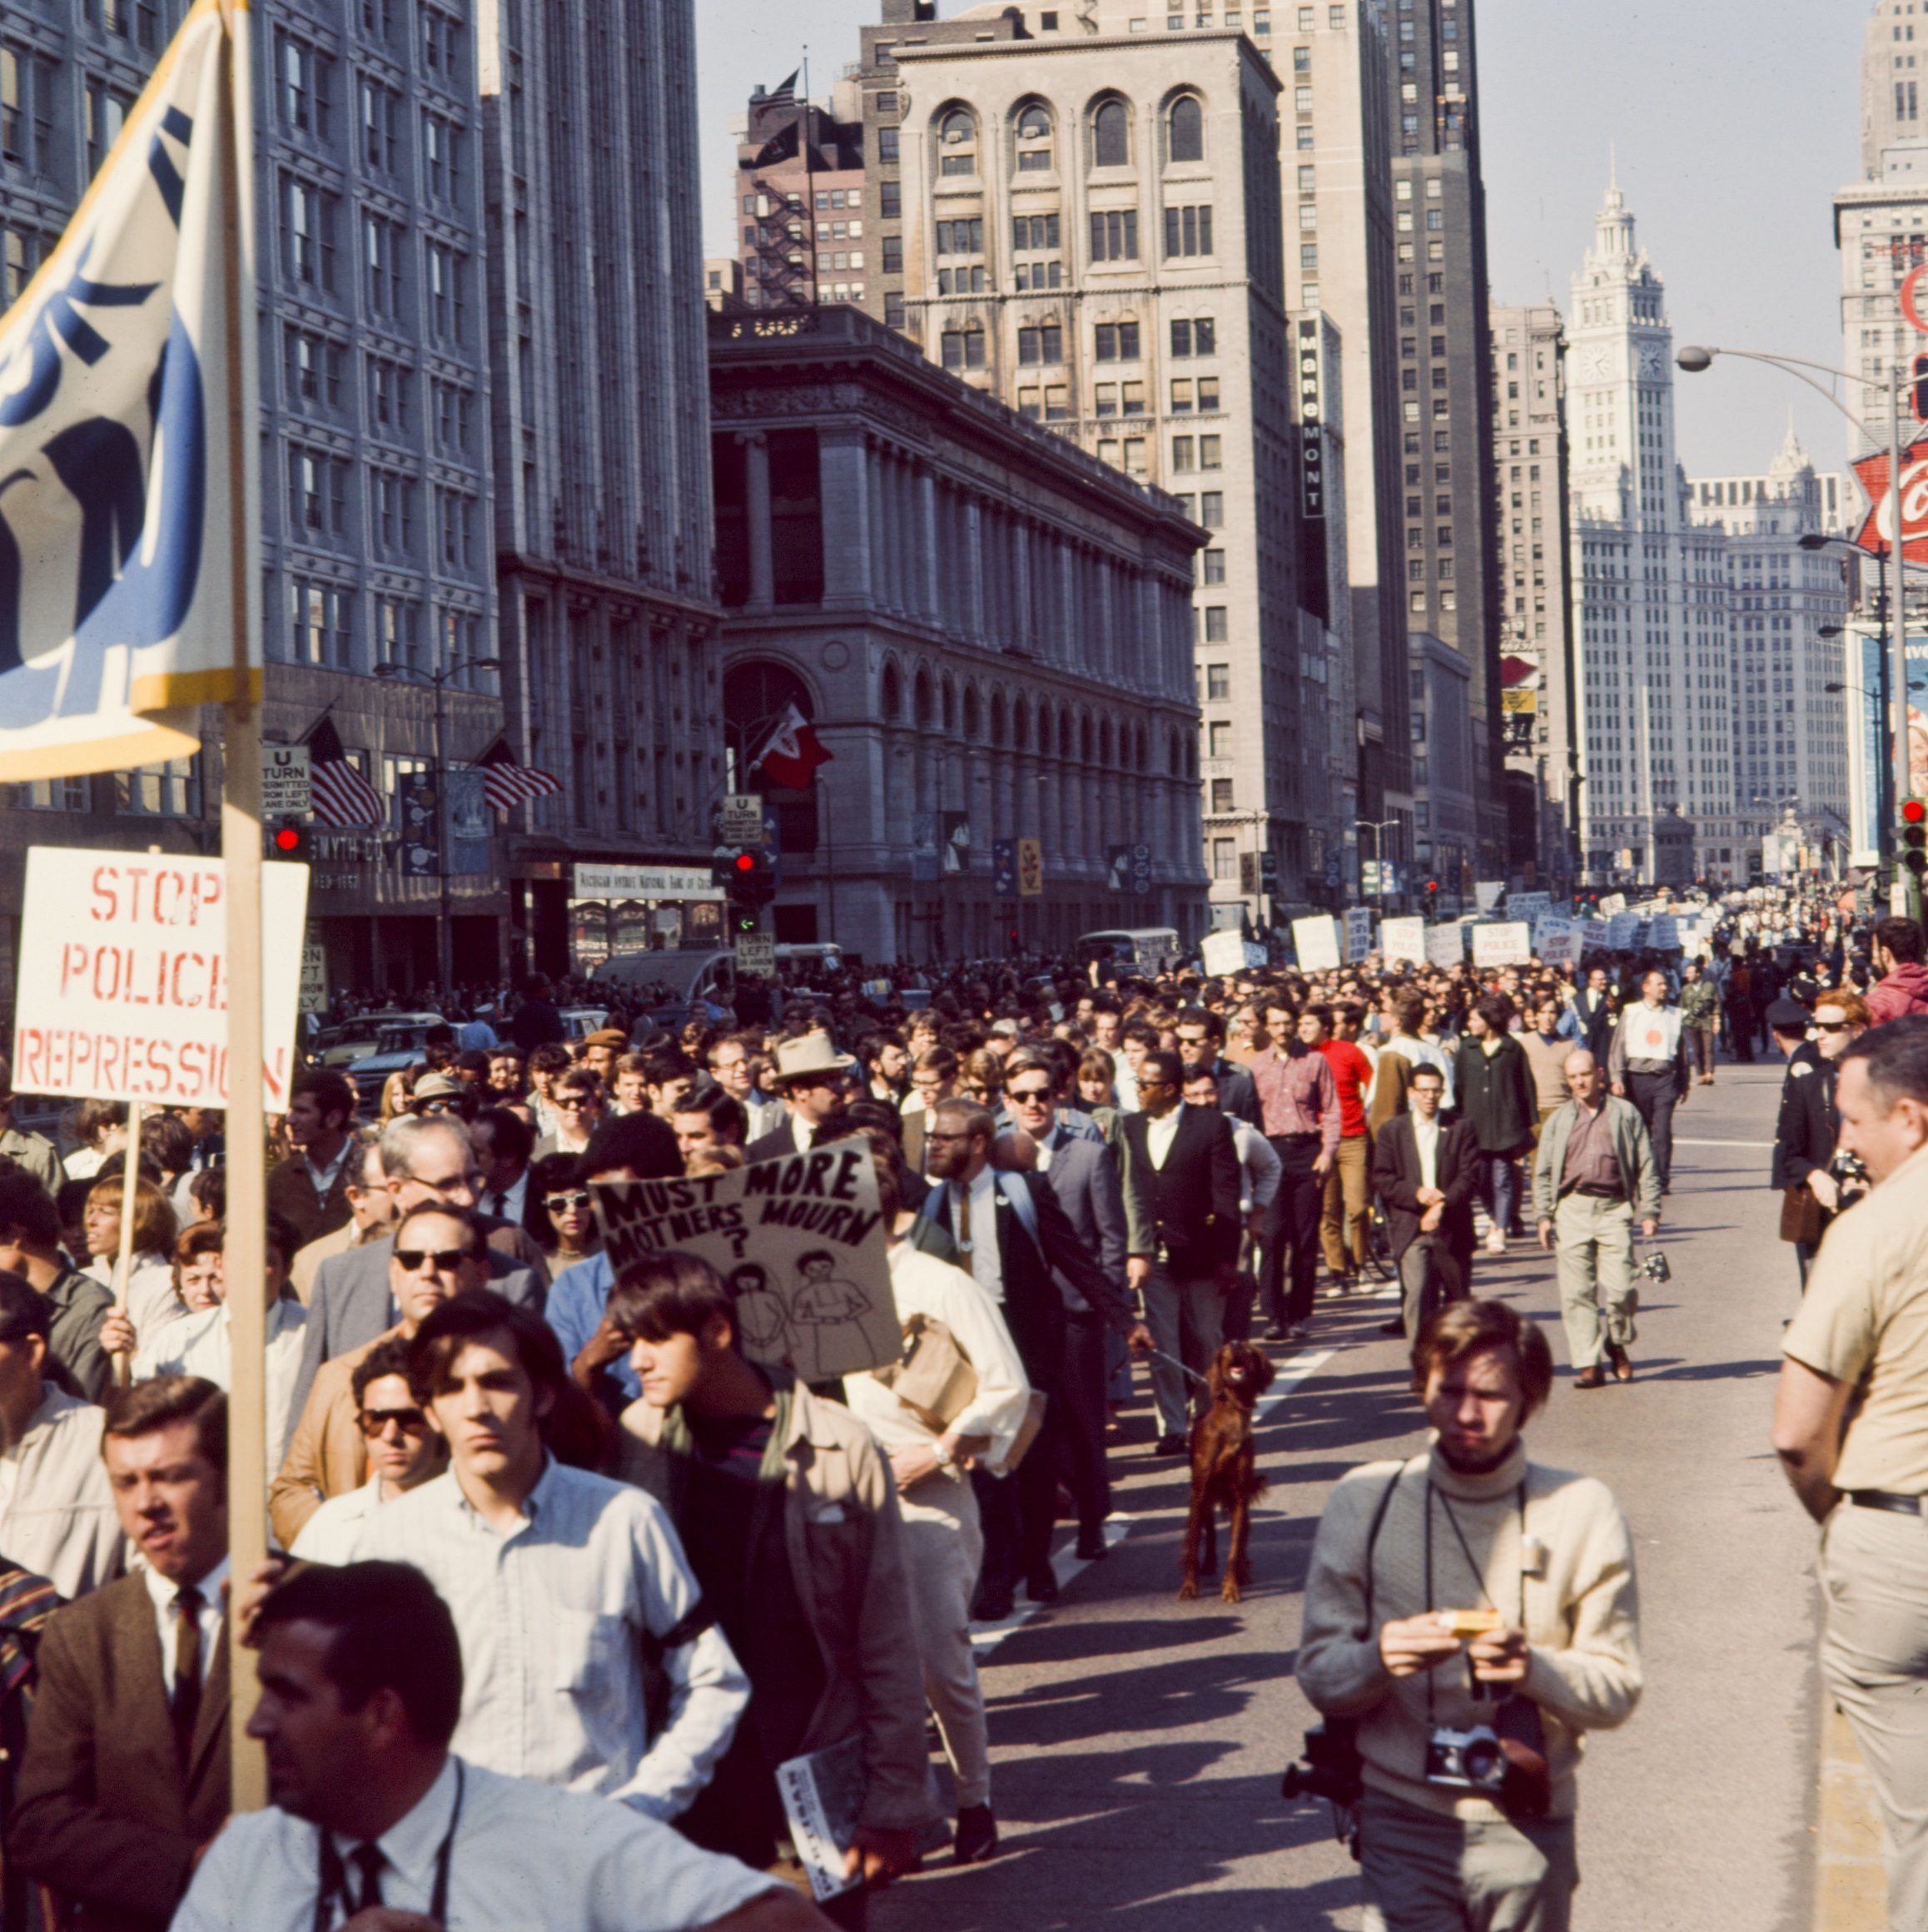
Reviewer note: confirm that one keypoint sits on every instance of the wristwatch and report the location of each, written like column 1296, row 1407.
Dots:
column 944, row 1459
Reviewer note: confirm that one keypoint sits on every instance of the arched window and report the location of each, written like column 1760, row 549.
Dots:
column 970, row 714
column 950, row 705
column 1020, row 726
column 892, row 698
column 921, row 699
column 1186, row 129
column 1111, row 135
column 1033, row 140
column 957, row 144
column 998, row 718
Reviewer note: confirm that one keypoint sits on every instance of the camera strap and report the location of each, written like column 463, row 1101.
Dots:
column 1473, row 1564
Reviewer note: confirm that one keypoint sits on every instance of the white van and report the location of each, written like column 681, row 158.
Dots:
column 1145, row 949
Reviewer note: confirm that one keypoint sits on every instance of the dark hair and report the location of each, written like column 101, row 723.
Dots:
column 391, row 1631
column 1897, row 1060
column 1099, row 1063
column 577, row 1430
column 1903, row 938
column 510, row 1137
column 1215, row 1027
column 329, row 1088
column 867, row 1114
column 167, row 1399
column 668, row 1064
column 553, row 1171
column 1465, row 1328
column 27, row 1206
column 1030, row 1059
column 668, row 1293
column 1496, row 1010
column 23, row 1309
column 203, row 1238
column 639, row 1141
column 1143, row 1031
column 474, row 1060
column 469, row 1221
column 1165, row 1067
column 208, row 1190
column 1431, row 1071
column 1193, row 1075
column 388, row 1357
column 728, row 1119
column 548, row 1058
column 165, row 1137
column 938, row 1059
column 281, row 1233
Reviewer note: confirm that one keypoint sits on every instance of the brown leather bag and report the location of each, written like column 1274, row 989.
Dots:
column 1801, row 1215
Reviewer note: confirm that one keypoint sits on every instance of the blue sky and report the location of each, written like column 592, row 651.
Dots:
column 1734, row 121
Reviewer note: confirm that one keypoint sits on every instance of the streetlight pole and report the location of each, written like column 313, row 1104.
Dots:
column 1377, row 827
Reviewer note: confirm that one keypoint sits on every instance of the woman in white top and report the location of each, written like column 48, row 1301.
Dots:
column 100, row 1127
column 149, row 1296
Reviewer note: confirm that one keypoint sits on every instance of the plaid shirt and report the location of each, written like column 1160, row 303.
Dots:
column 1297, row 1094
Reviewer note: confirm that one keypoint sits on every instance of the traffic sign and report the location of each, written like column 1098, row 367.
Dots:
column 757, row 954
column 739, row 819
column 285, row 790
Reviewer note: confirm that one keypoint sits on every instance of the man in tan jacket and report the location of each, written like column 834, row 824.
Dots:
column 814, row 1598
column 438, row 1253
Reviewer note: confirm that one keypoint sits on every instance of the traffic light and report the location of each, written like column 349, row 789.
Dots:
column 289, row 840
column 1432, row 891
column 1913, row 841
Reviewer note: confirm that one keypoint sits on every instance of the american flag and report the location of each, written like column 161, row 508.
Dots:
column 342, row 795
column 506, row 784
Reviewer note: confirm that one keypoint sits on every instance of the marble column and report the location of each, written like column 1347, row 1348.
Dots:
column 843, row 462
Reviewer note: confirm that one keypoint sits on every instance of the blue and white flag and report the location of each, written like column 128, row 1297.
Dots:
column 129, row 589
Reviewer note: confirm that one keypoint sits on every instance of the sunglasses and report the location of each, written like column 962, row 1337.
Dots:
column 1831, row 1026
column 411, row 1421
column 575, row 1102
column 1028, row 1096
column 440, row 1104
column 556, row 1202
column 410, row 1260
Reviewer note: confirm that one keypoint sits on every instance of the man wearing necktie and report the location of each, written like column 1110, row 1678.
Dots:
column 125, row 1775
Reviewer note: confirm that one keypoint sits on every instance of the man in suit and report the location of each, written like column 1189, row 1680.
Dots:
column 813, row 1078
column 1182, row 1228
column 1591, row 1015
column 1425, row 1175
column 426, row 1162
column 1201, row 1039
column 1013, row 1239
column 1082, row 1175
column 126, row 1777
column 1809, row 1124
column 309, row 1190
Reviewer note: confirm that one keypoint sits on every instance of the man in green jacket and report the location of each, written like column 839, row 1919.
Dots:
column 1594, row 1174
column 789, row 1518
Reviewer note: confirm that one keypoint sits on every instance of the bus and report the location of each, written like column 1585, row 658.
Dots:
column 1144, row 948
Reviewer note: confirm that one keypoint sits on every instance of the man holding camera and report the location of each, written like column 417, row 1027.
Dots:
column 1468, row 1615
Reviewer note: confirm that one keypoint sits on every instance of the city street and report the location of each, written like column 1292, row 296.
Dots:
column 1145, row 1737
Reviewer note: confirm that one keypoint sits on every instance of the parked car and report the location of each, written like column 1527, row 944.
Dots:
column 398, row 1046
column 356, row 1039
column 579, row 1022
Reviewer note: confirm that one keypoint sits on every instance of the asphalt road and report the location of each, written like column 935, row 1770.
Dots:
column 1137, row 1741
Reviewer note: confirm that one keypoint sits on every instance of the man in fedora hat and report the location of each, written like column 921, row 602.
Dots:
column 812, row 1077
column 600, row 1052
column 437, row 1095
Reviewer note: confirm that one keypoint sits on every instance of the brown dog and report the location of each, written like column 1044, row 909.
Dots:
column 1224, row 1468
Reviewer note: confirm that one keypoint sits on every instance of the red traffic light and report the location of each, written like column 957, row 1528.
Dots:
column 746, row 861
column 1913, row 810
column 287, row 839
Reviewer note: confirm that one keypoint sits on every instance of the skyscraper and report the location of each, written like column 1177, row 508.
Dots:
column 1650, row 592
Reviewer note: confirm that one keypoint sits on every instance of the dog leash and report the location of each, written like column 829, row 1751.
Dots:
column 1183, row 1368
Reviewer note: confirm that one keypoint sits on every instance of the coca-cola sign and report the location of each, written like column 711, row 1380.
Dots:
column 1877, row 532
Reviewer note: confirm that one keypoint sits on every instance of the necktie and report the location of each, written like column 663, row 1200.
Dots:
column 500, row 1197
column 368, row 1860
column 963, row 1220
column 186, row 1709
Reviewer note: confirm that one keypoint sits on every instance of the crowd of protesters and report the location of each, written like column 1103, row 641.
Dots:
column 656, row 1569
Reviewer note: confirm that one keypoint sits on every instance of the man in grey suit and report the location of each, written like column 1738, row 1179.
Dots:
column 1082, row 1173
column 426, row 1161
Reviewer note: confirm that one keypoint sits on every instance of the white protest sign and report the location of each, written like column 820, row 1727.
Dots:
column 1358, row 933
column 1509, row 943
column 1612, row 903
column 1663, row 933
column 1223, row 953
column 1593, row 936
column 1486, row 893
column 1445, row 945
column 1316, row 943
column 1557, row 940
column 1529, row 906
column 1403, row 939
column 1622, row 930
column 123, row 990
column 800, row 1242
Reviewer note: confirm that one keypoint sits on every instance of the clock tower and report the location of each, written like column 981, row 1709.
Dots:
column 1649, row 592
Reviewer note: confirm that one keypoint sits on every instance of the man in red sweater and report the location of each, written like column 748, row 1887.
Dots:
column 1335, row 1032
column 1903, row 988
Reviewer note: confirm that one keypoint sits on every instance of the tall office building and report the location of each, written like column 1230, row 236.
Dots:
column 1530, row 464
column 378, row 540
column 1650, row 592
column 1446, row 370
column 600, row 425
column 800, row 211
column 1092, row 233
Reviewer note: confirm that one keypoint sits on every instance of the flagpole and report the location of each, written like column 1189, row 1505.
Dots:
column 240, row 847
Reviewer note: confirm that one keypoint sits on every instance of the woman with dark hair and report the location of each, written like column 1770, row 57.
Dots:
column 559, row 1212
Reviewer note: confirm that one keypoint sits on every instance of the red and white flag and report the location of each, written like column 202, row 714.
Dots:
column 793, row 752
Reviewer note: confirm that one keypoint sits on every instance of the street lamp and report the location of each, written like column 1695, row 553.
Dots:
column 1695, row 359
column 1377, row 828
column 407, row 674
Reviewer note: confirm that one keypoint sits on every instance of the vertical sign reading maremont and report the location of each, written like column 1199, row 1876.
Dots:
column 119, row 502
column 800, row 1242
column 123, row 987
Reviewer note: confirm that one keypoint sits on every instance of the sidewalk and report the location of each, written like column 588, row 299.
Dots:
column 1850, row 1886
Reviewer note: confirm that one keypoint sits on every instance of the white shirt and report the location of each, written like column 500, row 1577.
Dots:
column 58, row 1519
column 324, row 1178
column 1161, row 1130
column 333, row 1533
column 526, row 1858
column 1417, row 1053
column 981, row 1260
column 920, row 1285
column 803, row 1132
column 514, row 1199
column 552, row 1618
column 1426, row 1139
column 198, row 1344
column 1258, row 1166
column 152, row 1301
column 167, row 1617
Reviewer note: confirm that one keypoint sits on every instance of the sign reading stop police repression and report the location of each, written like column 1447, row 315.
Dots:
column 123, row 987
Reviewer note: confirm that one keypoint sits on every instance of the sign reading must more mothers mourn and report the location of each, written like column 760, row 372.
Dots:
column 799, row 1242
column 123, row 988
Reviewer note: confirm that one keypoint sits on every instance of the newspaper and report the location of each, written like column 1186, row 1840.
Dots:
column 822, row 1794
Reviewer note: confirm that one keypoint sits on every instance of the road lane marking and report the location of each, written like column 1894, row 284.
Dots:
column 1679, row 1140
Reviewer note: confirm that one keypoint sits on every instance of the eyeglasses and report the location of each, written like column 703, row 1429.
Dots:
column 575, row 1103
column 439, row 1103
column 1832, row 1026
column 411, row 1421
column 1028, row 1096
column 410, row 1260
column 556, row 1202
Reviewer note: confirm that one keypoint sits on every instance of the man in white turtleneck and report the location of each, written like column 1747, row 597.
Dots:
column 1441, row 1589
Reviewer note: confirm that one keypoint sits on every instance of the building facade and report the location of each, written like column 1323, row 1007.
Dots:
column 989, row 629
column 600, row 429
column 377, row 535
column 800, row 206
column 1658, row 803
column 1790, row 715
column 1530, row 522
column 1093, row 234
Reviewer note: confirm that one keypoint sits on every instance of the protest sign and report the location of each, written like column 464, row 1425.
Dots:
column 1663, row 933
column 1622, row 930
column 1557, row 940
column 799, row 1241
column 1316, row 943
column 1486, row 893
column 124, row 988
column 1612, row 903
column 1593, row 936
column 1445, row 945
column 1403, row 939
column 1529, row 906
column 1223, row 953
column 1509, row 943
column 1358, row 933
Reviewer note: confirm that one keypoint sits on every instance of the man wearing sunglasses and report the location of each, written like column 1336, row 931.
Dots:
column 576, row 1100
column 403, row 1451
column 438, row 1252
